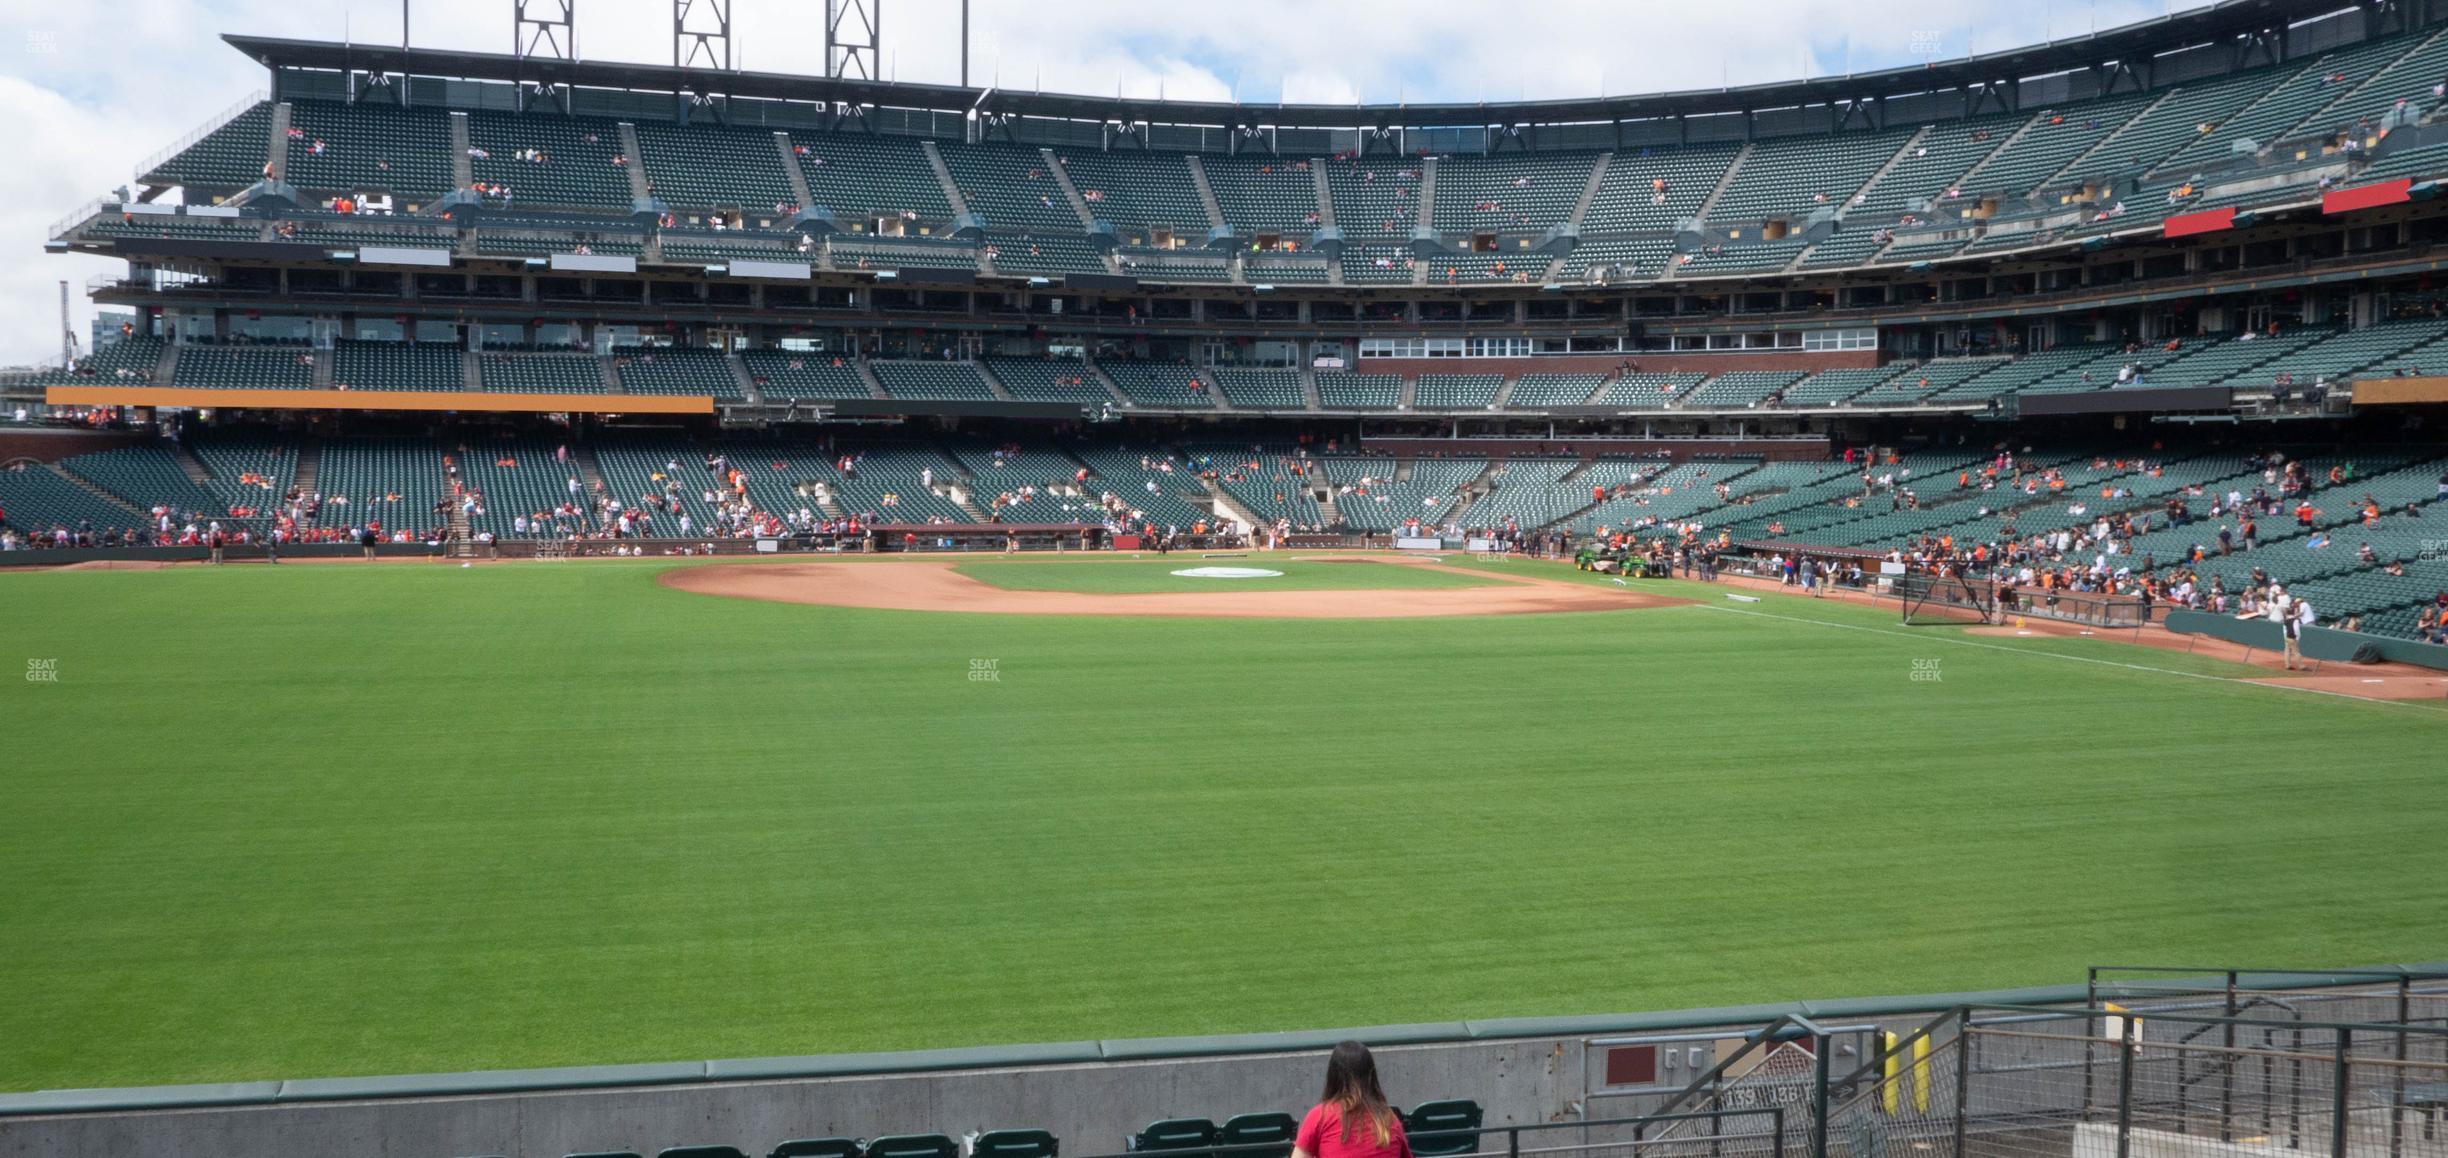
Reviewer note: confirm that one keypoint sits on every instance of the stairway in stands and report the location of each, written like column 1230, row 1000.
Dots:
column 309, row 474
column 590, row 473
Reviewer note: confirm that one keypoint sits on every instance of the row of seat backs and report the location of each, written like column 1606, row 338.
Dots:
column 991, row 1144
column 1436, row 1129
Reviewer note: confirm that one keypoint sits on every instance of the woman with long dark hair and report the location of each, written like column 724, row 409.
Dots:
column 1351, row 1119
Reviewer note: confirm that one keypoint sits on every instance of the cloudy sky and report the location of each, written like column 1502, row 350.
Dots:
column 90, row 91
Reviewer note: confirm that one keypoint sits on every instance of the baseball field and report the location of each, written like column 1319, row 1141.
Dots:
column 337, row 819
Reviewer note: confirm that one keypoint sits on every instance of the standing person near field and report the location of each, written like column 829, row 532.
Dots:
column 2281, row 610
column 1351, row 1119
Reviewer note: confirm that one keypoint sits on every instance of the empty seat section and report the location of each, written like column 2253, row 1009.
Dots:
column 1262, row 389
column 1175, row 265
column 859, row 175
column 1740, row 388
column 230, row 157
column 1828, row 387
column 1792, row 177
column 266, row 367
column 860, row 253
column 370, row 148
column 1925, row 171
column 1264, row 195
column 2289, row 102
column 1456, row 391
column 147, row 477
column 1048, row 379
column 1258, row 272
column 782, row 375
column 674, row 370
column 1656, row 189
column 696, row 168
column 1042, row 253
column 551, row 160
column 1160, row 384
column 1140, row 190
column 1011, row 187
column 1647, row 391
column 1377, row 264
column 1376, row 199
column 541, row 373
column 912, row 379
column 1339, row 390
column 396, row 482
column 1539, row 391
column 2052, row 140
column 396, row 366
column 1520, row 265
column 1516, row 192
column 1617, row 260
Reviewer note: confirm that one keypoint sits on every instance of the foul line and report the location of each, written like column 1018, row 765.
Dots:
column 2235, row 681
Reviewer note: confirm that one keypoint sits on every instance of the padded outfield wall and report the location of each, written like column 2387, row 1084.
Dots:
column 1524, row 1071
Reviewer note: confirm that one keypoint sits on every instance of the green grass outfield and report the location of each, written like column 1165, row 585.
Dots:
column 1127, row 576
column 325, row 820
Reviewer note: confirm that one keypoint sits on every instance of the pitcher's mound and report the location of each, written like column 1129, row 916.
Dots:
column 932, row 585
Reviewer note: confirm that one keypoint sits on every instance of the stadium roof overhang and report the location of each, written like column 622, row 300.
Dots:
column 2219, row 23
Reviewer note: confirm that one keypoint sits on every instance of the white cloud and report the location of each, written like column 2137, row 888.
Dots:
column 87, row 92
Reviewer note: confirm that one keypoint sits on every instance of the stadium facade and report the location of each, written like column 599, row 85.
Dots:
column 2214, row 218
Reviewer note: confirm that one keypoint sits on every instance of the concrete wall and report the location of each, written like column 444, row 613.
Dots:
column 1090, row 1107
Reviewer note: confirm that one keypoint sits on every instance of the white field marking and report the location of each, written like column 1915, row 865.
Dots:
column 2234, row 680
column 1229, row 573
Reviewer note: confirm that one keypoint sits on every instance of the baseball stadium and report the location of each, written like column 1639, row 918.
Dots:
column 582, row 607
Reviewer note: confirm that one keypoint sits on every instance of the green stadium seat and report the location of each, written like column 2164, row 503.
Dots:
column 1274, row 1128
column 818, row 1148
column 914, row 1146
column 700, row 1152
column 1173, row 1134
column 1443, row 1127
column 1014, row 1144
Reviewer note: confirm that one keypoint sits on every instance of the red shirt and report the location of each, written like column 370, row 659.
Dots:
column 1321, row 1134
